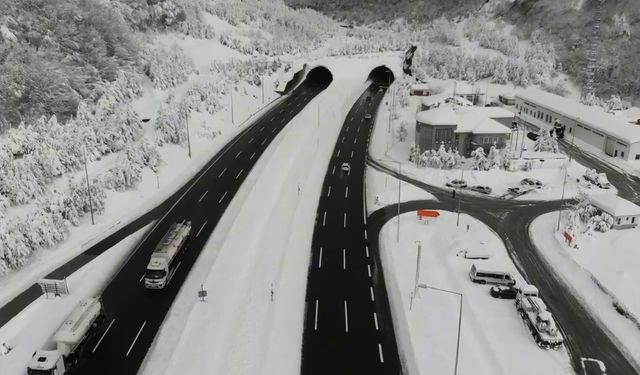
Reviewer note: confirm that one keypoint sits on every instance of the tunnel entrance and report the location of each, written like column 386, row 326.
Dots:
column 382, row 75
column 319, row 77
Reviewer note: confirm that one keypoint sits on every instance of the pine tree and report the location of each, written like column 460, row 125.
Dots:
column 480, row 162
column 545, row 143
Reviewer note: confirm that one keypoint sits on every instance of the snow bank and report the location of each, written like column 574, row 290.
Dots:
column 241, row 330
column 610, row 259
column 34, row 327
column 382, row 190
column 427, row 333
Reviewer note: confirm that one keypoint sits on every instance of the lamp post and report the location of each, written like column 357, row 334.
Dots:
column 564, row 183
column 425, row 286
column 399, row 186
column 233, row 122
column 188, row 136
column 86, row 173
column 415, row 285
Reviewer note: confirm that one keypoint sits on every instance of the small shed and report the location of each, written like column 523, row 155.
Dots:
column 419, row 90
column 508, row 98
column 625, row 214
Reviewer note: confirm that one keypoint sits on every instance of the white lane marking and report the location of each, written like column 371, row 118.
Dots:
column 380, row 352
column 344, row 259
column 273, row 130
column 262, row 128
column 224, row 170
column 371, row 291
column 141, row 277
column 251, row 140
column 252, row 155
column 351, row 119
column 365, row 235
column 369, row 270
column 315, row 323
column 342, row 140
column 346, row 317
column 136, row 338
column 203, row 195
column 239, row 173
column 351, row 154
column 375, row 320
column 366, row 250
column 238, row 154
column 344, row 223
column 338, row 154
column 281, row 110
column 324, row 218
column 358, row 130
column 347, row 128
column 222, row 197
column 263, row 141
column 103, row 335
column 334, row 170
column 291, row 112
column 329, row 192
column 346, row 192
column 355, row 140
column 320, row 258
column 201, row 228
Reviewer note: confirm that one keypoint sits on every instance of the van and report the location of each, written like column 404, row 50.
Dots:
column 475, row 254
column 485, row 275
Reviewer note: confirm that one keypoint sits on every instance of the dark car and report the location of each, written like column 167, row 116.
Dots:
column 460, row 184
column 532, row 136
column 531, row 182
column 505, row 292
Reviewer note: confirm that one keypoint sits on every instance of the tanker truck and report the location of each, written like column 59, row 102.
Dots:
column 72, row 338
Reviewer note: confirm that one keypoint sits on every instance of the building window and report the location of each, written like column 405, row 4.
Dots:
column 485, row 140
column 621, row 154
column 443, row 135
column 618, row 221
column 572, row 128
column 637, row 156
column 633, row 220
column 495, row 140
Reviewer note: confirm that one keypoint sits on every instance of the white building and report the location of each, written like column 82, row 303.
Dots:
column 616, row 136
column 625, row 214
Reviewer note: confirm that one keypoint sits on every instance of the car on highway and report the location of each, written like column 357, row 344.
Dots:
column 481, row 189
column 459, row 184
column 367, row 116
column 346, row 167
column 519, row 190
column 531, row 182
column 503, row 291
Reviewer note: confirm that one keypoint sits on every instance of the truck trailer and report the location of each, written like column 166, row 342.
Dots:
column 71, row 339
column 165, row 259
column 539, row 320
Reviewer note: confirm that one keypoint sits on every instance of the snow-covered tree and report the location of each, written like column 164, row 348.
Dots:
column 168, row 67
column 545, row 142
column 414, row 154
column 125, row 175
column 614, row 103
column 480, row 161
column 401, row 132
column 494, row 157
column 601, row 223
column 506, row 157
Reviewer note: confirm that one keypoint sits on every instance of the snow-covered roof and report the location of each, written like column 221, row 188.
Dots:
column 487, row 126
column 490, row 112
column 419, row 86
column 508, row 95
column 594, row 117
column 432, row 100
column 437, row 116
column 614, row 205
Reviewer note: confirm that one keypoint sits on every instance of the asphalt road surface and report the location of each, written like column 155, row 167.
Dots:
column 584, row 337
column 134, row 314
column 348, row 327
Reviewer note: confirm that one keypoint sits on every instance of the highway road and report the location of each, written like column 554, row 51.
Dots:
column 510, row 219
column 348, row 327
column 134, row 314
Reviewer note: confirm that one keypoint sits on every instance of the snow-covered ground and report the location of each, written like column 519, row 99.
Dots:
column 611, row 259
column 176, row 168
column 240, row 330
column 382, row 190
column 493, row 338
column 34, row 327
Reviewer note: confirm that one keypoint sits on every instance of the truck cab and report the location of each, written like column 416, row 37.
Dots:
column 46, row 362
column 156, row 274
column 165, row 259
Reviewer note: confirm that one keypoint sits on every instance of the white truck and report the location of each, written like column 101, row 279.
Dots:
column 165, row 260
column 71, row 339
column 598, row 179
column 539, row 320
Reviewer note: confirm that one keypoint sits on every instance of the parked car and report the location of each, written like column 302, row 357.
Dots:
column 367, row 116
column 346, row 167
column 457, row 184
column 531, row 182
column 481, row 189
column 532, row 136
column 502, row 291
column 519, row 190
column 598, row 179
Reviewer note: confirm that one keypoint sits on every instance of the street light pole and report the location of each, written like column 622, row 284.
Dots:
column 188, row 136
column 233, row 122
column 262, row 84
column 399, row 196
column 564, row 183
column 86, row 172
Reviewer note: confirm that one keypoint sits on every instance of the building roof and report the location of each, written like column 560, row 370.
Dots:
column 508, row 95
column 490, row 112
column 419, row 86
column 614, row 205
column 437, row 116
column 490, row 126
column 432, row 100
column 594, row 117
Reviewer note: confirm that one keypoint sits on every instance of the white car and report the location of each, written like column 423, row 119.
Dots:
column 519, row 190
column 345, row 167
column 367, row 116
column 459, row 184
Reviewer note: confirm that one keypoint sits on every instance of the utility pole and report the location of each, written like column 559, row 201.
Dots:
column 262, row 84
column 455, row 370
column 188, row 137
column 233, row 122
column 564, row 183
column 86, row 173
column 415, row 285
column 458, row 219
column 399, row 187
column 524, row 133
